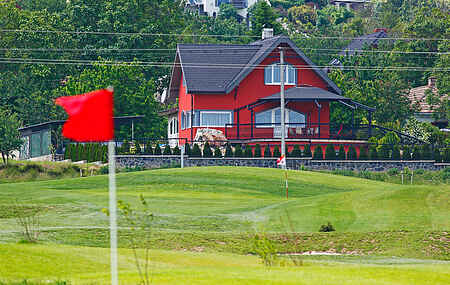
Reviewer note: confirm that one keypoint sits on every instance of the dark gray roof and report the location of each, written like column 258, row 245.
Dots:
column 211, row 68
column 306, row 93
column 363, row 41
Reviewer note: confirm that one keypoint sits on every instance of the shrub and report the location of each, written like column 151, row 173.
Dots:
column 446, row 157
column 196, row 152
column 228, row 151
column 187, row 149
column 330, row 153
column 341, row 153
column 406, row 153
column 393, row 171
column 384, row 151
column 207, row 152
column 167, row 150
column 327, row 228
column 104, row 153
column 217, row 152
column 148, row 148
column 267, row 152
column 276, row 151
column 248, row 151
column 351, row 154
column 296, row 152
column 417, row 155
column 67, row 154
column 363, row 153
column 395, row 153
column 419, row 171
column 307, row 151
column 437, row 155
column 373, row 155
column 265, row 249
column 138, row 148
column 257, row 150
column 176, row 150
column 238, row 151
column 318, row 153
column 157, row 150
column 426, row 152
column 125, row 147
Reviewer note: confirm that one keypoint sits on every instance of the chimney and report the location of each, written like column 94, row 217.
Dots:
column 267, row 33
column 432, row 82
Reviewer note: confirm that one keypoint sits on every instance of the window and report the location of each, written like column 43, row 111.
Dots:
column 271, row 117
column 215, row 118
column 272, row 74
column 173, row 126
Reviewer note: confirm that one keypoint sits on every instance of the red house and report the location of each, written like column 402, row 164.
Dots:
column 235, row 89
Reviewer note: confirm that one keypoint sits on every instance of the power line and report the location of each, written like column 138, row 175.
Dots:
column 199, row 35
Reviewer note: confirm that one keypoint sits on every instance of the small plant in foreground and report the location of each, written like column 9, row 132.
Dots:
column 327, row 228
column 265, row 249
column 27, row 217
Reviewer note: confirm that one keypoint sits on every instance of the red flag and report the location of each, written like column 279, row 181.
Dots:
column 90, row 116
column 281, row 161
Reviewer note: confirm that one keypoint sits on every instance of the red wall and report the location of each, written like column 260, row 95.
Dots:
column 253, row 88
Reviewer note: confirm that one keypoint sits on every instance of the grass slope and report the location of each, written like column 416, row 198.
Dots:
column 84, row 265
column 224, row 199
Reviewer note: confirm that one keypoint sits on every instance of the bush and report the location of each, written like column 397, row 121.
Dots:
column 395, row 153
column 426, row 152
column 276, row 152
column 196, row 152
column 248, row 151
column 307, row 151
column 341, row 153
column 228, row 151
column 238, row 151
column 296, row 152
column 446, row 157
column 373, row 154
column 265, row 249
column 187, row 149
column 167, row 150
column 393, row 171
column 257, row 150
column 267, row 152
column 176, row 150
column 330, row 153
column 437, row 155
column 138, row 148
column 148, row 148
column 383, row 152
column 318, row 153
column 207, row 152
column 157, row 150
column 125, row 149
column 363, row 153
column 351, row 154
column 327, row 228
column 217, row 152
column 417, row 155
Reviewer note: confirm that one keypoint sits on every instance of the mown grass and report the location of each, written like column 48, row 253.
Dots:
column 85, row 265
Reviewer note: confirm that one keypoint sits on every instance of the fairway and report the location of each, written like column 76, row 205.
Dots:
column 205, row 220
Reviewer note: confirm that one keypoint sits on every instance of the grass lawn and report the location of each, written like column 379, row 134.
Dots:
column 85, row 265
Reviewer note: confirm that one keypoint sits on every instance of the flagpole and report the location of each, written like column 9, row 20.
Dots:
column 287, row 192
column 112, row 207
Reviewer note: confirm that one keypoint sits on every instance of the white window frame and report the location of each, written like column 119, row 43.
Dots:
column 286, row 75
column 273, row 110
column 230, row 114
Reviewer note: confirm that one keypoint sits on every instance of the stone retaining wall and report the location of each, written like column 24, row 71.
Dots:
column 158, row 161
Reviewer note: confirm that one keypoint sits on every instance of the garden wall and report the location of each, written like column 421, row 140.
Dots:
column 158, row 161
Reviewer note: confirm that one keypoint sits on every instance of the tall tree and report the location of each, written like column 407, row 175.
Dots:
column 263, row 16
column 9, row 134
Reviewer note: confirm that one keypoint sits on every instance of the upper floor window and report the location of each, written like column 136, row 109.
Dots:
column 272, row 74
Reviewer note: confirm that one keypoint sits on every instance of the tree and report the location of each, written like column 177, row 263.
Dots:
column 341, row 154
column 207, row 152
column 351, row 155
column 263, row 16
column 318, row 152
column 267, row 152
column 257, row 150
column 330, row 153
column 307, row 151
column 10, row 139
column 227, row 11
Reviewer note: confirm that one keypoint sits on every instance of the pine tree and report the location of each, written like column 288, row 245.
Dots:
column 276, row 152
column 363, row 153
column 351, row 154
column 318, row 152
column 307, row 151
column 148, row 148
column 267, row 152
column 446, row 157
column 138, row 148
column 417, row 155
column 167, row 150
column 248, row 151
column 296, row 152
column 426, row 152
column 217, row 152
column 406, row 153
column 238, row 151
column 228, row 151
column 176, row 150
column 395, row 153
column 157, row 150
column 437, row 155
column 187, row 149
column 257, row 150
column 207, row 152
column 341, row 154
column 330, row 153
column 196, row 152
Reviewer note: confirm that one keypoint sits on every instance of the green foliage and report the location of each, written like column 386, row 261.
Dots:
column 248, row 151
column 318, row 152
column 307, row 151
column 327, row 228
column 167, row 150
column 148, row 148
column 330, row 153
column 351, row 154
column 341, row 153
column 138, row 147
column 426, row 152
column 125, row 149
column 187, row 149
column 276, row 152
column 10, row 139
column 176, row 150
column 437, row 154
column 296, row 152
column 257, row 150
column 196, row 152
column 263, row 16
column 406, row 152
column 267, row 152
column 417, row 153
column 207, row 152
column 157, row 150
column 238, row 151
column 447, row 154
column 395, row 153
column 217, row 152
column 228, row 151
column 373, row 154
column 265, row 249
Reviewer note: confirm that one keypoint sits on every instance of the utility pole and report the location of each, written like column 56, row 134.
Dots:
column 283, row 126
